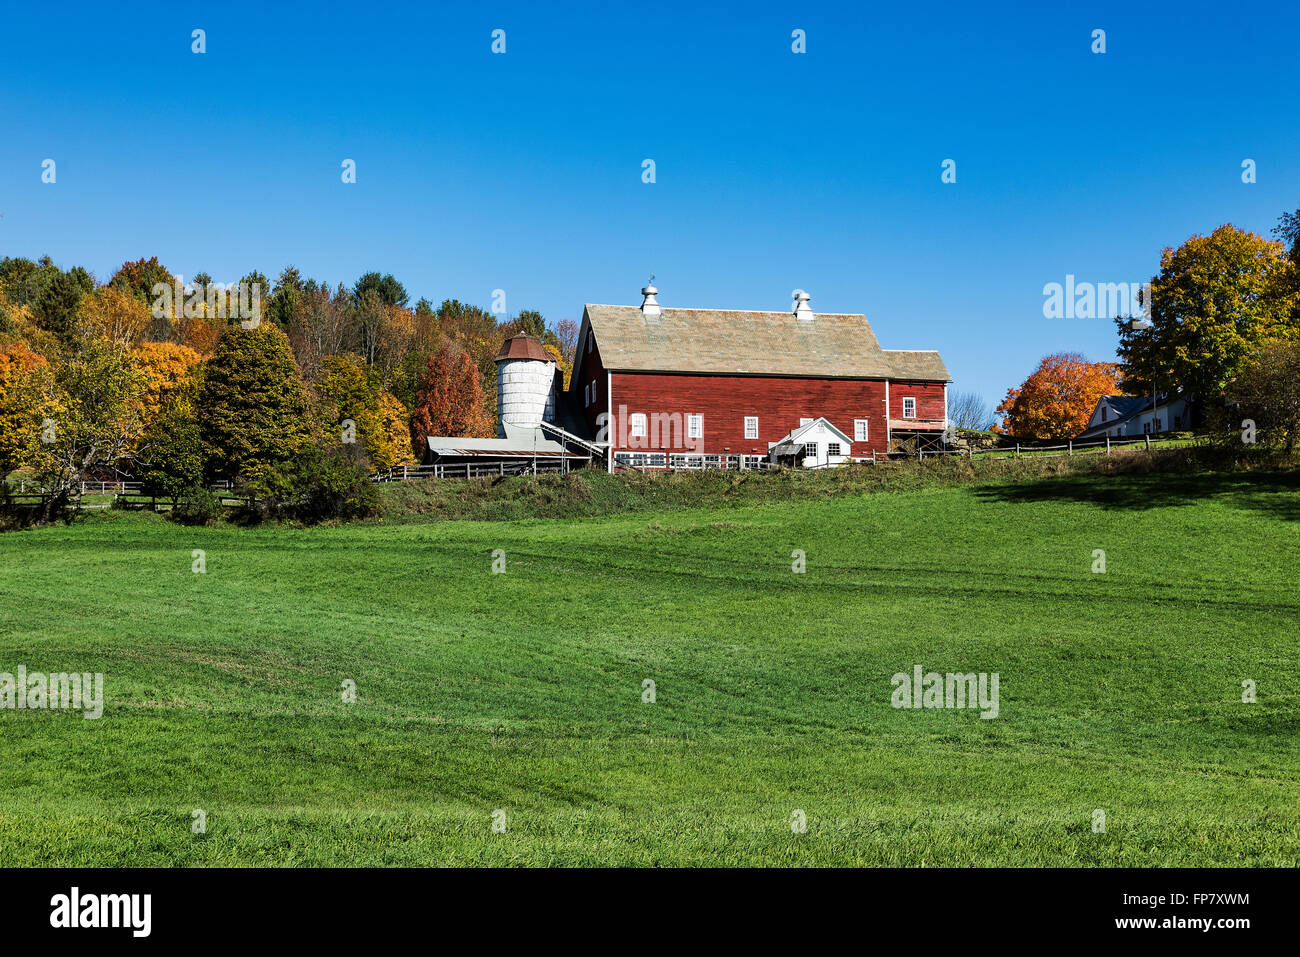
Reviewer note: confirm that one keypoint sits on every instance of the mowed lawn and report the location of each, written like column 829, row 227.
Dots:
column 522, row 692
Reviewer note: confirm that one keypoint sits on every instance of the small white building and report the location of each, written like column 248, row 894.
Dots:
column 1129, row 415
column 815, row 443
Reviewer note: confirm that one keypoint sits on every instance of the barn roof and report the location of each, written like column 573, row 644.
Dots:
column 733, row 342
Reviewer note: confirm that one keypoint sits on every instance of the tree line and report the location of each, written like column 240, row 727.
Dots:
column 295, row 407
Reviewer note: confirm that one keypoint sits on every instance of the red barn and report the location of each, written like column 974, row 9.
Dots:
column 685, row 387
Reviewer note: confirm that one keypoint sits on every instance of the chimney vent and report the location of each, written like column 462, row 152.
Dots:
column 801, row 308
column 649, row 305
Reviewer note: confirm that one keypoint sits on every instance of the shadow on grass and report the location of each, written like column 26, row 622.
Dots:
column 1274, row 492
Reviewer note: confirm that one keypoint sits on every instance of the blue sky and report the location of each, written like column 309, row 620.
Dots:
column 774, row 170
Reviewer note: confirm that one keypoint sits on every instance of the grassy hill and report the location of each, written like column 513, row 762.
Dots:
column 523, row 691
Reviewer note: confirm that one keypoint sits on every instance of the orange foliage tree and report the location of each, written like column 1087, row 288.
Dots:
column 165, row 366
column 1057, row 399
column 449, row 400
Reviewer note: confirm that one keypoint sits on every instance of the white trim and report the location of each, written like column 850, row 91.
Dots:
column 609, row 410
column 907, row 399
column 945, row 405
column 888, row 431
column 749, row 419
column 691, row 419
column 866, row 430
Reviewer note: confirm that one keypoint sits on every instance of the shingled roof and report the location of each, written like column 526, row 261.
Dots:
column 732, row 342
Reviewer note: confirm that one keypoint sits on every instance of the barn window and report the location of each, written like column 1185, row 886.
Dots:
column 595, row 385
column 586, row 394
column 909, row 407
column 695, row 426
column 1103, row 413
column 637, row 425
column 810, row 450
column 751, row 426
column 591, row 339
column 833, row 448
column 859, row 430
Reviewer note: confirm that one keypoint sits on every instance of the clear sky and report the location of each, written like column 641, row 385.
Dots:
column 774, row 170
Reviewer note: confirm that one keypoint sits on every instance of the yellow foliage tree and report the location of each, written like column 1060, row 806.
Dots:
column 114, row 314
column 26, row 399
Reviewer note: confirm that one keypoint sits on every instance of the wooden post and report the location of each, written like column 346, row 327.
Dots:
column 1069, row 445
column 1017, row 450
column 1108, row 445
column 1148, row 438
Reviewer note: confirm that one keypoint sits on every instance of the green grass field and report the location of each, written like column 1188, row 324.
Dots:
column 523, row 691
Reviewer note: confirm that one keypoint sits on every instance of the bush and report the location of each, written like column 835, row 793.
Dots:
column 197, row 506
column 334, row 484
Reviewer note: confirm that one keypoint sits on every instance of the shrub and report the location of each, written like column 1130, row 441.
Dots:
column 333, row 484
column 197, row 506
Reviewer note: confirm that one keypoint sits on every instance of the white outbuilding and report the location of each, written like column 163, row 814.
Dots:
column 815, row 443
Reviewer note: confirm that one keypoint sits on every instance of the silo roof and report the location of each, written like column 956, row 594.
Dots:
column 524, row 346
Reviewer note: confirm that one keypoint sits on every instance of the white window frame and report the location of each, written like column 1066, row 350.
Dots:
column 586, row 394
column 810, row 450
column 906, row 400
column 751, row 427
column 861, row 430
column 637, row 426
column 695, row 426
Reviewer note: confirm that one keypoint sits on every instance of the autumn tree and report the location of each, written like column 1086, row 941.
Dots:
column 95, row 422
column 114, row 314
column 1057, row 399
column 1266, row 391
column 253, row 408
column 26, row 400
column 170, row 456
column 449, row 400
column 139, row 277
column 392, row 445
column 349, row 406
column 164, row 366
column 1216, row 298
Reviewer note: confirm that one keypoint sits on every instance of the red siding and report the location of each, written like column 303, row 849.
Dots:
column 779, row 403
column 593, row 370
column 928, row 395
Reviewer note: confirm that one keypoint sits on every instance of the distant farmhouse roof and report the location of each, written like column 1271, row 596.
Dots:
column 731, row 342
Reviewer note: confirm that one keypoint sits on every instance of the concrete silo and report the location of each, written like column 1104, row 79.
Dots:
column 525, row 384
